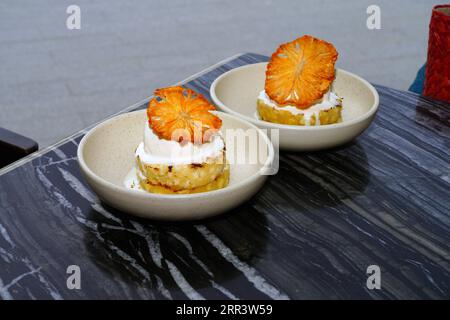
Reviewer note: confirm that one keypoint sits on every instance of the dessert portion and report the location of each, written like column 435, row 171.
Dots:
column 326, row 111
column 183, row 150
column 298, row 86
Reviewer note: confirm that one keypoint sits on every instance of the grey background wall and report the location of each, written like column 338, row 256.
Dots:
column 56, row 81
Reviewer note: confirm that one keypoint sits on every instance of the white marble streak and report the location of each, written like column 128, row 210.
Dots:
column 182, row 283
column 75, row 183
column 191, row 252
column 250, row 273
column 427, row 274
column 420, row 157
column 6, row 236
column 153, row 246
column 188, row 246
column 60, row 153
column 55, row 192
column 4, row 288
column 89, row 196
column 120, row 228
column 225, row 291
column 91, row 225
column 157, row 258
column 9, row 258
column 50, row 288
column 6, row 256
column 119, row 252
column 368, row 234
column 122, row 254
column 71, row 208
column 370, row 218
column 160, row 286
column 403, row 234
column 4, row 293
column 50, row 162
column 130, row 259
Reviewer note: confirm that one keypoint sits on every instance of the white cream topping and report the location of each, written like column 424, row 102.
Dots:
column 328, row 101
column 154, row 150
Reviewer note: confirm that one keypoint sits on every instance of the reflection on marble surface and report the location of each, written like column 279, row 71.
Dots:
column 311, row 232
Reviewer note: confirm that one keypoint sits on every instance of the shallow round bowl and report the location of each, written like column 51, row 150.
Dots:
column 106, row 156
column 236, row 92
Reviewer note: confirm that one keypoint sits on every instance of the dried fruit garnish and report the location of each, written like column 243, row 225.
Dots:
column 300, row 72
column 177, row 113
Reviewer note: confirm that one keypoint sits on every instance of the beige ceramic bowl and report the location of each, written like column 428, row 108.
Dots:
column 106, row 155
column 236, row 92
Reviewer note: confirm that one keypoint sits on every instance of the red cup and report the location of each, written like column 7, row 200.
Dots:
column 437, row 76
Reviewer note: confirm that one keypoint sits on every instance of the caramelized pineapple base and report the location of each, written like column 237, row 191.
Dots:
column 270, row 114
column 219, row 182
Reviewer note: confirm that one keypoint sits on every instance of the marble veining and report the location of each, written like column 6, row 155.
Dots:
column 310, row 233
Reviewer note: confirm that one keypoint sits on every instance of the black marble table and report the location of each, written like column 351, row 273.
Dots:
column 311, row 232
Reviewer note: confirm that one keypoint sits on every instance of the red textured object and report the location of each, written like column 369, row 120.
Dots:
column 437, row 77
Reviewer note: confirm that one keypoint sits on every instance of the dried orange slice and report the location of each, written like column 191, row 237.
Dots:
column 177, row 113
column 300, row 72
